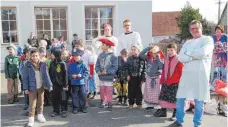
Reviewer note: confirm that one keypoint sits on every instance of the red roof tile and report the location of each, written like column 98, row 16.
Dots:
column 164, row 23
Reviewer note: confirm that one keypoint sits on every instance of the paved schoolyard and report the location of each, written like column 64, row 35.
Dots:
column 12, row 115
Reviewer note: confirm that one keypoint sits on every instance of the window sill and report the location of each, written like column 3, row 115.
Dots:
column 7, row 44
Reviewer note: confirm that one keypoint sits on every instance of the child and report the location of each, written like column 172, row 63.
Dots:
column 92, row 82
column 106, row 67
column 136, row 71
column 170, row 77
column 23, row 61
column 153, row 71
column 11, row 74
column 59, row 78
column 77, row 72
column 20, row 55
column 121, row 83
column 35, row 79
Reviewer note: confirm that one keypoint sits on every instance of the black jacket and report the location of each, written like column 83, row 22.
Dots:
column 136, row 67
column 58, row 74
column 122, row 73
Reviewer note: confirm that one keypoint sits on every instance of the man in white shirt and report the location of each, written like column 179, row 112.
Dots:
column 129, row 38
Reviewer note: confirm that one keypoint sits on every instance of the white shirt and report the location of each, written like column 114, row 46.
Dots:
column 126, row 41
column 38, row 79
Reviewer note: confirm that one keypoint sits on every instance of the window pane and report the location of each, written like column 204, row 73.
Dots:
column 5, row 26
column 55, row 13
column 55, row 24
column 88, row 23
column 94, row 12
column 13, row 36
column 38, row 13
column 47, row 25
column 12, row 14
column 6, row 38
column 94, row 33
column 87, row 12
column 63, row 25
column 56, row 34
column 46, row 13
column 106, row 12
column 109, row 12
column 88, row 42
column 63, row 13
column 88, row 35
column 4, row 13
column 104, row 21
column 13, row 25
column 94, row 23
column 48, row 33
column 39, row 24
column 64, row 34
column 102, row 32
column 40, row 34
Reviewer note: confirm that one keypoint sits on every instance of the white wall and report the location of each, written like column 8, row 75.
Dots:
column 138, row 12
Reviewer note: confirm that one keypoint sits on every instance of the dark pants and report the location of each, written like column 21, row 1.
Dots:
column 47, row 97
column 69, row 90
column 78, row 97
column 20, row 78
column 134, row 91
column 59, row 98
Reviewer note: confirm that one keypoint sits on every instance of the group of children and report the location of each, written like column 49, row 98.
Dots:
column 75, row 76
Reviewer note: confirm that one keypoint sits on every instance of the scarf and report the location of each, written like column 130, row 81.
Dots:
column 170, row 66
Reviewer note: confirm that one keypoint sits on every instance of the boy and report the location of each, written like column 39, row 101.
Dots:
column 77, row 72
column 122, row 74
column 136, row 71
column 35, row 79
column 170, row 77
column 59, row 78
column 11, row 74
column 106, row 67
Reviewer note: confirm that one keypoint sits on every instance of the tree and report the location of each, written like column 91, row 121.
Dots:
column 186, row 16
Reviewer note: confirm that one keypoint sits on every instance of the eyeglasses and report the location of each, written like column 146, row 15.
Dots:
column 192, row 29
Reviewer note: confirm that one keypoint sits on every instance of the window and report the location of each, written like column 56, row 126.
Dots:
column 95, row 18
column 51, row 21
column 9, row 25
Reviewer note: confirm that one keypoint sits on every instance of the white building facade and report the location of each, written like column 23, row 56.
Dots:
column 64, row 18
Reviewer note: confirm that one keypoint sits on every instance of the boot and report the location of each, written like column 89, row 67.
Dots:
column 94, row 94
column 41, row 118
column 110, row 106
column 173, row 118
column 10, row 101
column 88, row 95
column 15, row 99
column 175, row 124
column 162, row 113
column 31, row 121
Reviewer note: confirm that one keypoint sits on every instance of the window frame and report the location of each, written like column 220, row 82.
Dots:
column 51, row 20
column 17, row 26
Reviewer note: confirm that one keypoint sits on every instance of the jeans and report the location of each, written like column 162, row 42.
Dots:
column 78, row 97
column 92, row 85
column 198, row 114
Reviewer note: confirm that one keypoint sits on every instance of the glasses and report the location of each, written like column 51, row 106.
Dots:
column 192, row 29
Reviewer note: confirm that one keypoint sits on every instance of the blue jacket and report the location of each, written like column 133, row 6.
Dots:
column 29, row 77
column 78, row 68
column 107, row 63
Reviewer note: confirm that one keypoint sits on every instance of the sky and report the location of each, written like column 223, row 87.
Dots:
column 208, row 8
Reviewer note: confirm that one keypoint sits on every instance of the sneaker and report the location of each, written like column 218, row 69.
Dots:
column 84, row 110
column 64, row 114
column 110, row 106
column 149, row 108
column 54, row 114
column 102, row 105
column 41, row 118
column 172, row 119
column 31, row 121
column 75, row 111
column 175, row 124
column 10, row 101
column 162, row 113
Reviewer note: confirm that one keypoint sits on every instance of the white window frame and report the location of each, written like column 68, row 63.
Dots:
column 51, row 20
column 17, row 23
column 114, row 7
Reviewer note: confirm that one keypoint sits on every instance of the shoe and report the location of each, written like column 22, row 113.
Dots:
column 162, row 113
column 158, row 110
column 175, row 124
column 101, row 104
column 75, row 111
column 172, row 119
column 110, row 106
column 16, row 99
column 130, row 106
column 26, row 107
column 10, row 101
column 84, row 110
column 54, row 114
column 41, row 118
column 88, row 95
column 149, row 108
column 31, row 121
column 64, row 114
column 94, row 94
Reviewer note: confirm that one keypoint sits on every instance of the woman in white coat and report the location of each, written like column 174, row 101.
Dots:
column 196, row 54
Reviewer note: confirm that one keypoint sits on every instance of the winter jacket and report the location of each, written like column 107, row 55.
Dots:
column 11, row 66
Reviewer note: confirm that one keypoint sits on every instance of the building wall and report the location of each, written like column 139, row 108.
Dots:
column 138, row 12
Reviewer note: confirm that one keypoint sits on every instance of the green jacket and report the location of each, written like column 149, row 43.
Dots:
column 11, row 66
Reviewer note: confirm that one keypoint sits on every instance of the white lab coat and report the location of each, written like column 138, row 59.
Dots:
column 194, row 82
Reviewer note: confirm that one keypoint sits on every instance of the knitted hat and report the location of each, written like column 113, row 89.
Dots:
column 11, row 46
column 107, row 41
column 219, row 27
column 77, row 52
